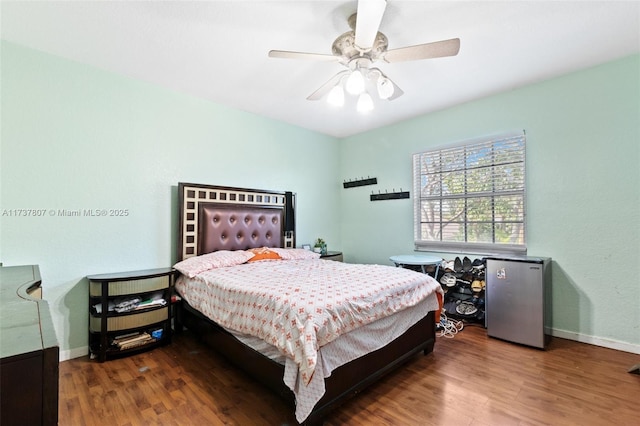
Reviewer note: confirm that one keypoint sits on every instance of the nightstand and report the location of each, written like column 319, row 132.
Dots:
column 332, row 255
column 129, row 312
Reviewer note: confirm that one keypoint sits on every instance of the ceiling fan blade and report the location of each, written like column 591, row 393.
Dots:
column 302, row 55
column 436, row 49
column 326, row 87
column 368, row 18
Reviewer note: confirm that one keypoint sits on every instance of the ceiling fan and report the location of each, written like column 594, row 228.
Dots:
column 358, row 49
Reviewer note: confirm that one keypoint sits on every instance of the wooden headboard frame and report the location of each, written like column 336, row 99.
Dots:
column 226, row 218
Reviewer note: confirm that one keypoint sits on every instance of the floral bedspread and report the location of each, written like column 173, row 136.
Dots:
column 299, row 306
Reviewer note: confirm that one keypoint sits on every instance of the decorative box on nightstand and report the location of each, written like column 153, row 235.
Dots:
column 129, row 312
column 332, row 255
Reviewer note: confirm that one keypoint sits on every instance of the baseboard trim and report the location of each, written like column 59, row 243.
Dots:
column 564, row 334
column 74, row 353
column 597, row 341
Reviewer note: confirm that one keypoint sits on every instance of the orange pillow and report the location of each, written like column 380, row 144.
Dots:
column 263, row 253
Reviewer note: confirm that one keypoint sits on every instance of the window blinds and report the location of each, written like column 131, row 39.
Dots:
column 471, row 196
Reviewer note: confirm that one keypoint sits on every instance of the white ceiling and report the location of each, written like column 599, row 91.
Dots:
column 217, row 50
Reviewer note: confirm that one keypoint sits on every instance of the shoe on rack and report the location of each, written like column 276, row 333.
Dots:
column 457, row 265
column 463, row 283
column 477, row 264
column 466, row 264
column 449, row 306
column 478, row 275
column 448, row 280
column 463, row 286
column 476, row 286
column 463, row 289
column 471, row 310
column 466, row 308
column 447, row 265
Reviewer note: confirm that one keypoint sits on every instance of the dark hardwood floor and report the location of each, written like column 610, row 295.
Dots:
column 468, row 380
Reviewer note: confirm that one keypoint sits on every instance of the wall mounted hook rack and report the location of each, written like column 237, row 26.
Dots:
column 360, row 182
column 389, row 195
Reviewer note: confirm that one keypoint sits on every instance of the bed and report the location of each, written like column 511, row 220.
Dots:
column 313, row 369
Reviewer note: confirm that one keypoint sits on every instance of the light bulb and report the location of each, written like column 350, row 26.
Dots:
column 336, row 96
column 365, row 103
column 385, row 87
column 355, row 83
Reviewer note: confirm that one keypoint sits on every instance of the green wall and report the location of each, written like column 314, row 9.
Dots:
column 583, row 190
column 75, row 137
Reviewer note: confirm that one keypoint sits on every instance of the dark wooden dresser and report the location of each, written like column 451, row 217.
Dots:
column 29, row 350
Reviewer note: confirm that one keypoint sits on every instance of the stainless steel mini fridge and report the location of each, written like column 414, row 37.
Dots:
column 518, row 302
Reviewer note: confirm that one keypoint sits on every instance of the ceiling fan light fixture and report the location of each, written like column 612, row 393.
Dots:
column 365, row 103
column 385, row 87
column 336, row 96
column 359, row 49
column 355, row 82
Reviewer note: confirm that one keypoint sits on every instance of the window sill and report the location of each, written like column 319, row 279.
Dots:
column 470, row 248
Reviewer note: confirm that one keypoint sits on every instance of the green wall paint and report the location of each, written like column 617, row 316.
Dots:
column 74, row 137
column 583, row 188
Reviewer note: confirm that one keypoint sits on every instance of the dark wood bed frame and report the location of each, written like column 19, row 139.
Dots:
column 224, row 218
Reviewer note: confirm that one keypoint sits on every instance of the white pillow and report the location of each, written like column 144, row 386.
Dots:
column 218, row 259
column 295, row 253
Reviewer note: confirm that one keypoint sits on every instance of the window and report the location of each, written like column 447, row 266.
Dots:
column 470, row 197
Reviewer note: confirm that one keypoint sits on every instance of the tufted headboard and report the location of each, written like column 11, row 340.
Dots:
column 224, row 218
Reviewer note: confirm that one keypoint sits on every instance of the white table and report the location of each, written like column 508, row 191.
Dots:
column 421, row 260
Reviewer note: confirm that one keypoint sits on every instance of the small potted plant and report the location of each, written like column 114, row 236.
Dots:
column 320, row 246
